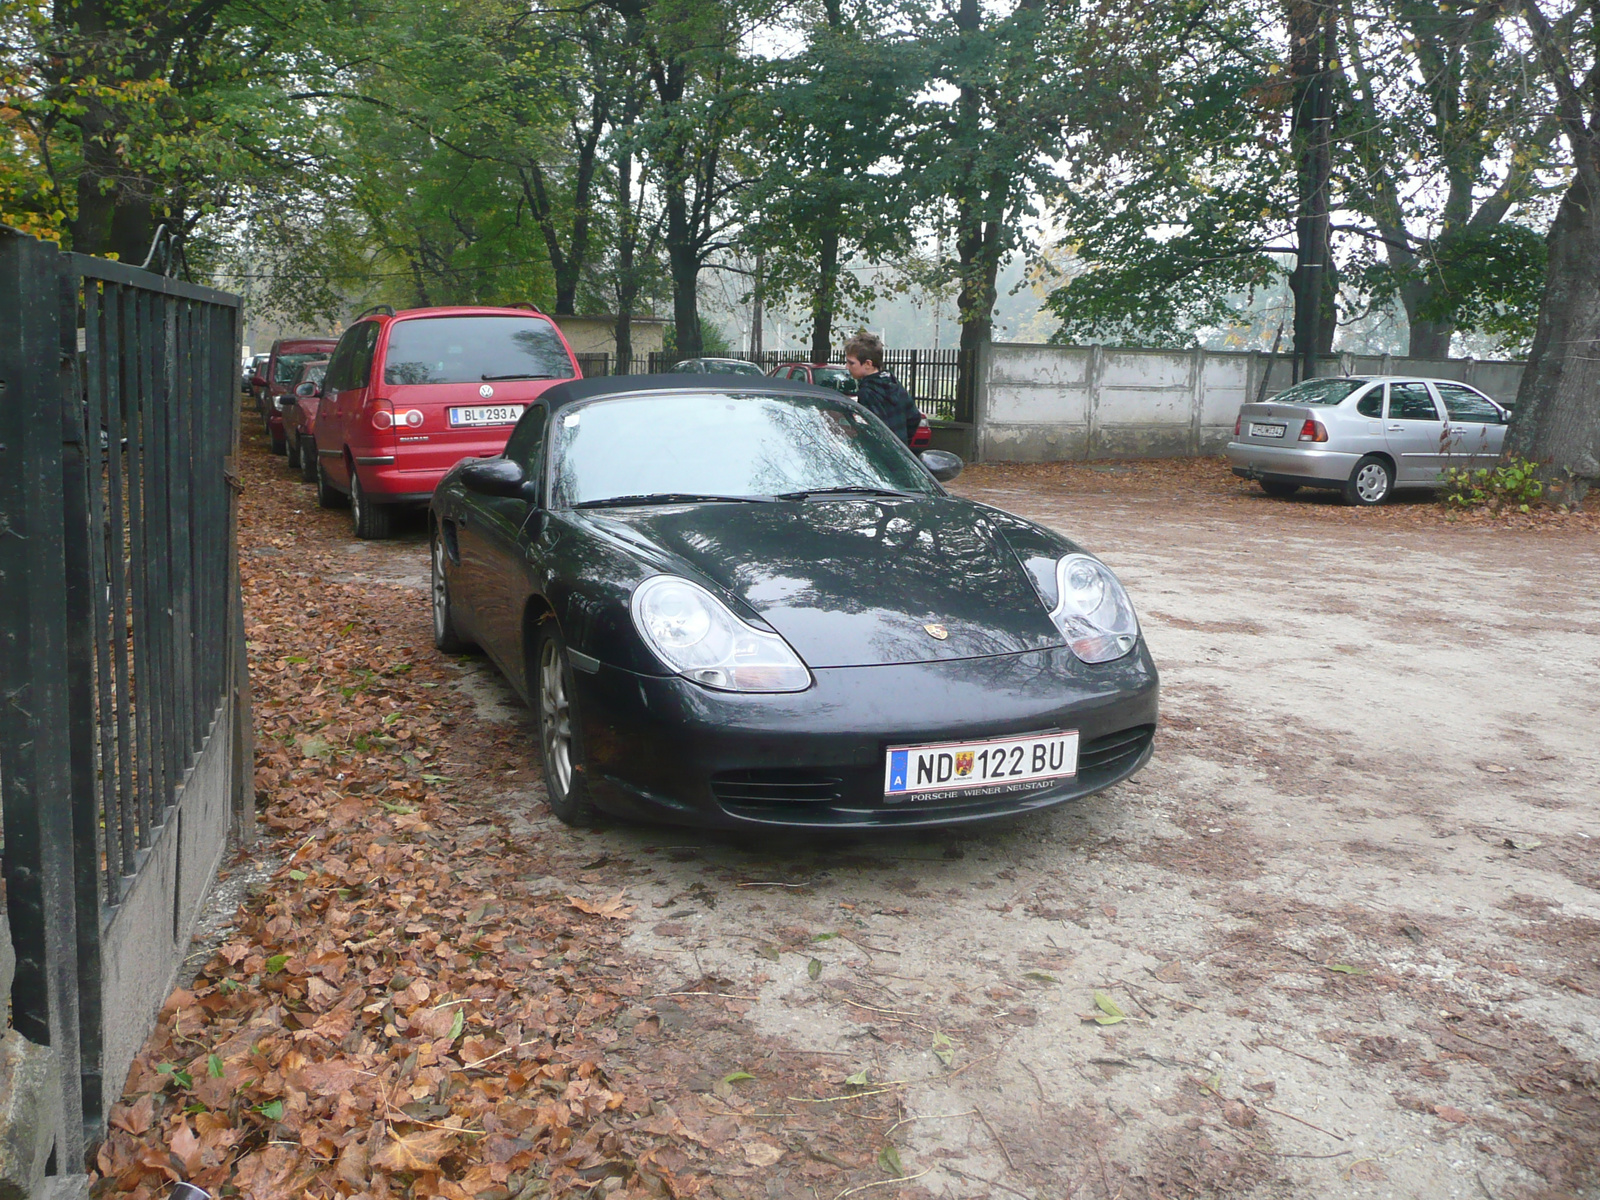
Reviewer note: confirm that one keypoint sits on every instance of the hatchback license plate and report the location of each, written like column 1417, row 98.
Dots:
column 997, row 764
column 485, row 414
column 1266, row 431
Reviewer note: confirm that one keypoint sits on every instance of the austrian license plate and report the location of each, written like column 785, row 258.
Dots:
column 1266, row 431
column 485, row 414
column 980, row 768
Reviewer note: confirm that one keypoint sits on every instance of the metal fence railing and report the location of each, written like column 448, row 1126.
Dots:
column 121, row 647
column 940, row 381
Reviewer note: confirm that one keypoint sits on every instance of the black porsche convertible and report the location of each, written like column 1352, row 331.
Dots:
column 744, row 604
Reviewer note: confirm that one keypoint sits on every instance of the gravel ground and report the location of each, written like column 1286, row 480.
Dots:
column 1349, row 913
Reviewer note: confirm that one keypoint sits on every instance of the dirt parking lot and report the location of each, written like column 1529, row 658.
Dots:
column 1340, row 936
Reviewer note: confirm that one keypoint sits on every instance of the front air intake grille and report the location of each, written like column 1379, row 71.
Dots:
column 775, row 787
column 1114, row 753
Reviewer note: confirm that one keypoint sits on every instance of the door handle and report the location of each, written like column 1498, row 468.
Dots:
column 1396, row 428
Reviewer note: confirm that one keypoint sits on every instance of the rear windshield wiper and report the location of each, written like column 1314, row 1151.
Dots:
column 669, row 498
column 518, row 375
column 848, row 490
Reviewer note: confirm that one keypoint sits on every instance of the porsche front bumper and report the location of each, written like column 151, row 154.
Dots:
column 662, row 748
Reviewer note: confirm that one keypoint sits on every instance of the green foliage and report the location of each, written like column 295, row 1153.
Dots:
column 1491, row 281
column 1513, row 485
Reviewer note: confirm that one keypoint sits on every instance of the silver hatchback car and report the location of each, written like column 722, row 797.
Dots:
column 1365, row 435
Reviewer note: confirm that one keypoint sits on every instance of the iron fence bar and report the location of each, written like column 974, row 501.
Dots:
column 90, row 267
column 35, row 753
column 99, row 520
column 180, row 492
column 158, row 536
column 79, row 587
column 121, row 600
column 145, row 689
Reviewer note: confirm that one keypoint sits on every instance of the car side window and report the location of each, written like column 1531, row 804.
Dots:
column 1411, row 402
column 339, row 363
column 525, row 446
column 361, row 356
column 1465, row 405
column 1371, row 405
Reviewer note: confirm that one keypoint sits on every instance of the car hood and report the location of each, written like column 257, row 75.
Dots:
column 853, row 582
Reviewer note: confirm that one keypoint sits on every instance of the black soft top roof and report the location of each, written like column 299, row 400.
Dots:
column 563, row 394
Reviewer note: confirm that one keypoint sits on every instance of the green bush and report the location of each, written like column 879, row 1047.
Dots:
column 1512, row 484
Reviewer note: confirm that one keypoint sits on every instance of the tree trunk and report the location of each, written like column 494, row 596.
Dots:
column 627, row 279
column 1557, row 418
column 757, row 300
column 1311, row 32
column 822, row 298
column 684, row 265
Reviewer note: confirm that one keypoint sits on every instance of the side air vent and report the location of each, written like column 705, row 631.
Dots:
column 764, row 786
column 1114, row 753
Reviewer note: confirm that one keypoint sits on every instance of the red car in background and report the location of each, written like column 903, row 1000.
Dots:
column 275, row 385
column 408, row 395
column 832, row 375
column 300, row 419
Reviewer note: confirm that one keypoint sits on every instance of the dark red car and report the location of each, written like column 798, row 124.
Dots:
column 832, row 375
column 275, row 385
column 410, row 394
column 828, row 375
column 300, row 419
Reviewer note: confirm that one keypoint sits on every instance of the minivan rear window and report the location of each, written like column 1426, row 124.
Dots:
column 289, row 365
column 474, row 350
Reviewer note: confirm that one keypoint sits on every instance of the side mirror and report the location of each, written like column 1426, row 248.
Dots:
column 497, row 477
column 306, row 390
column 941, row 464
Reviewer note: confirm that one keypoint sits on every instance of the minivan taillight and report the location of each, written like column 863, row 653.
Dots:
column 1313, row 431
column 381, row 414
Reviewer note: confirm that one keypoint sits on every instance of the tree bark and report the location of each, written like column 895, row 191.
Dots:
column 1311, row 32
column 822, row 298
column 683, row 264
column 1557, row 417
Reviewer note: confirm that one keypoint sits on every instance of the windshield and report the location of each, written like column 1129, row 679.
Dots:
column 288, row 365
column 1319, row 391
column 709, row 443
column 314, row 373
column 474, row 349
column 834, row 377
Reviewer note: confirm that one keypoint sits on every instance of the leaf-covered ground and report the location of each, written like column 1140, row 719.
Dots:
column 418, row 1003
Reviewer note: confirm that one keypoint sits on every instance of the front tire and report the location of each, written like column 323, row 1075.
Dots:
column 1281, row 491
column 328, row 496
column 1370, row 483
column 292, row 451
column 372, row 522
column 280, row 444
column 560, row 738
column 308, row 460
column 445, row 637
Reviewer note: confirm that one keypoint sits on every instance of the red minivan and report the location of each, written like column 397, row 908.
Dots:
column 276, row 381
column 410, row 394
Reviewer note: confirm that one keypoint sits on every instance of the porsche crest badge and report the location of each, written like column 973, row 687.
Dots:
column 937, row 632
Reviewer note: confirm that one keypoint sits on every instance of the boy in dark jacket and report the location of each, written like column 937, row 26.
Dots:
column 879, row 392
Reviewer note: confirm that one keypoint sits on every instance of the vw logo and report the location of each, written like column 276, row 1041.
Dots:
column 937, row 632
column 486, row 391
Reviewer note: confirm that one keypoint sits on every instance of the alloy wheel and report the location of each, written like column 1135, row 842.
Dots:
column 555, row 716
column 441, row 598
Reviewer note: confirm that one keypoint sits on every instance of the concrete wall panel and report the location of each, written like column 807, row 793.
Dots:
column 1052, row 403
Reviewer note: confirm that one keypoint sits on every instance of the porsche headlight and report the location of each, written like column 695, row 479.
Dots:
column 1092, row 611
column 694, row 633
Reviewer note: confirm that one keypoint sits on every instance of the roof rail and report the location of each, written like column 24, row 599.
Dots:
column 386, row 309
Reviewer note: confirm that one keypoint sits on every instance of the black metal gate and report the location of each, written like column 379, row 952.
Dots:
column 122, row 756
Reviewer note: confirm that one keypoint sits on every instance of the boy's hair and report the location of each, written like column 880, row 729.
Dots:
column 866, row 347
